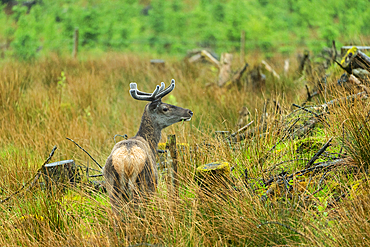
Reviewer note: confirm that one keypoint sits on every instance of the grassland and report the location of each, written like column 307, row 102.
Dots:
column 43, row 102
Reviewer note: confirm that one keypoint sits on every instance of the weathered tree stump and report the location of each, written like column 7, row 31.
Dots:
column 158, row 64
column 213, row 176
column 61, row 174
column 225, row 69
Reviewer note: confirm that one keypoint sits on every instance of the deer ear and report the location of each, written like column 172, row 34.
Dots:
column 154, row 104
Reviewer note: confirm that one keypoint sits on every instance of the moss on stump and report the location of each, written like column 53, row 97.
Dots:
column 214, row 175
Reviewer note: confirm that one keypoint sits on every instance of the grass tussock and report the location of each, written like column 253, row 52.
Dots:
column 44, row 102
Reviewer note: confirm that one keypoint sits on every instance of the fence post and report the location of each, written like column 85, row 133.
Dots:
column 171, row 141
column 75, row 44
column 242, row 47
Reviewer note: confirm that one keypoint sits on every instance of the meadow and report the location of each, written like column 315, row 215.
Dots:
column 45, row 101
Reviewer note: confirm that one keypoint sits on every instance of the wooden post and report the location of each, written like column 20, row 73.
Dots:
column 75, row 45
column 242, row 47
column 171, row 140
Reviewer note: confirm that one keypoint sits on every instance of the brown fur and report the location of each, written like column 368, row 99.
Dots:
column 129, row 162
column 130, row 170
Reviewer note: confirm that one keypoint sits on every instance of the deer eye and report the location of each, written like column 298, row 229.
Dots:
column 165, row 109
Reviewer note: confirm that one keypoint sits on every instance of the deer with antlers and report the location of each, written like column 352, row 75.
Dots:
column 131, row 169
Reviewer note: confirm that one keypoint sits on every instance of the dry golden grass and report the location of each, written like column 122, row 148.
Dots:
column 44, row 102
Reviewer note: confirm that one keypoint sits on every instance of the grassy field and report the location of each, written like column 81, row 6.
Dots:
column 43, row 102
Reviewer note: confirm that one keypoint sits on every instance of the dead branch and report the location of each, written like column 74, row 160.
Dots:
column 240, row 130
column 333, row 102
column 317, row 155
column 210, row 58
column 85, row 152
column 315, row 114
column 310, row 95
column 318, row 167
column 270, row 69
column 302, row 108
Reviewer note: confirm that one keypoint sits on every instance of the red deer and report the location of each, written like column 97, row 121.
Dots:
column 131, row 169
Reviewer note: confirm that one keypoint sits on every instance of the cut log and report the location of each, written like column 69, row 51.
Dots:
column 344, row 49
column 355, row 59
column 210, row 58
column 225, row 76
column 195, row 58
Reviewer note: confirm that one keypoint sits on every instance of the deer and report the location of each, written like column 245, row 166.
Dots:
column 131, row 169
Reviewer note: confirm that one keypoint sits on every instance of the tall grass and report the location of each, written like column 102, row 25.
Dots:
column 44, row 102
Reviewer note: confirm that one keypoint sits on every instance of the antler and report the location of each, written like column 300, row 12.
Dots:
column 158, row 93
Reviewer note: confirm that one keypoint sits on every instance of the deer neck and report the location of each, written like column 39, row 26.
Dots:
column 149, row 131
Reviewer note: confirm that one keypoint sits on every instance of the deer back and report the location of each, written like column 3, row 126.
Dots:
column 130, row 161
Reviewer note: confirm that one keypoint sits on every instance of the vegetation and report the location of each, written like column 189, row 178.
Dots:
column 277, row 194
column 43, row 102
column 176, row 26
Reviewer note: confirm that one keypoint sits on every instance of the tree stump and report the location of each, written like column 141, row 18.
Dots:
column 213, row 176
column 158, row 64
column 225, row 69
column 61, row 174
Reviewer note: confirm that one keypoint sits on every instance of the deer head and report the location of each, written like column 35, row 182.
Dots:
column 161, row 114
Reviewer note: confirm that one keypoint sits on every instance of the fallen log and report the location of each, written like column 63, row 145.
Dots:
column 225, row 76
column 334, row 102
column 317, row 167
column 344, row 49
column 355, row 59
column 358, row 83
